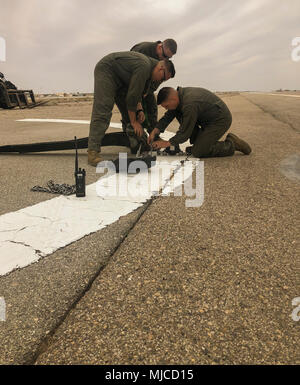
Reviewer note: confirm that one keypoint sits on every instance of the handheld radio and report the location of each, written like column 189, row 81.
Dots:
column 79, row 176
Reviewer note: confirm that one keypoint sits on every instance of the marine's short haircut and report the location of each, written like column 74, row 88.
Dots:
column 164, row 94
column 169, row 67
column 171, row 44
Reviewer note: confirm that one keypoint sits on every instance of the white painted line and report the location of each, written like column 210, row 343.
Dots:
column 36, row 231
column 114, row 125
column 31, row 233
column 265, row 93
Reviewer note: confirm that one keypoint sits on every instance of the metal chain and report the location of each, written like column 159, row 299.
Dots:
column 164, row 153
column 54, row 188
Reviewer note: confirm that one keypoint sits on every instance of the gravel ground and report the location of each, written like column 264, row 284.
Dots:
column 280, row 107
column 206, row 285
column 203, row 285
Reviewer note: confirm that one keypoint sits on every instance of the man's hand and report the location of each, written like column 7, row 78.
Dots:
column 152, row 135
column 141, row 117
column 138, row 129
column 160, row 144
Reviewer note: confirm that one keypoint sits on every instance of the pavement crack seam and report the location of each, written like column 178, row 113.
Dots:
column 273, row 115
column 37, row 216
column 46, row 341
column 9, row 231
column 38, row 252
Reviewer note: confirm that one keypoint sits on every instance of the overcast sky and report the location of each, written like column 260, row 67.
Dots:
column 222, row 45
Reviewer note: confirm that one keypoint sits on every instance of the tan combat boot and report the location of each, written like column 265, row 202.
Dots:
column 94, row 158
column 239, row 144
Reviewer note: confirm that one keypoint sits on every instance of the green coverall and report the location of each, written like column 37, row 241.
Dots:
column 147, row 48
column 120, row 73
column 149, row 101
column 204, row 118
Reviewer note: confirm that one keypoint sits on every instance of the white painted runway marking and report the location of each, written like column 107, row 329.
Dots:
column 114, row 125
column 265, row 93
column 36, row 231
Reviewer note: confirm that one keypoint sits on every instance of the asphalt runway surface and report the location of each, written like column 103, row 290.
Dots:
column 165, row 284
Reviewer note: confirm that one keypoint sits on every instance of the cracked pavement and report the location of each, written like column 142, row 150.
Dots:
column 72, row 218
column 165, row 284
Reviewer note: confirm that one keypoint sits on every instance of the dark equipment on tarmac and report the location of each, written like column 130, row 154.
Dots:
column 173, row 150
column 112, row 139
column 79, row 175
column 11, row 97
column 148, row 160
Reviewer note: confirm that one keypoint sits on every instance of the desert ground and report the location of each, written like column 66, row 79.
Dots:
column 164, row 284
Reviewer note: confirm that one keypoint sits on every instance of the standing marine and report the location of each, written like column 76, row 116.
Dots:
column 159, row 50
column 122, row 73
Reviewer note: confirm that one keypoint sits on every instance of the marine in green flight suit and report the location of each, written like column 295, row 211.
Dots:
column 203, row 117
column 127, row 73
column 158, row 50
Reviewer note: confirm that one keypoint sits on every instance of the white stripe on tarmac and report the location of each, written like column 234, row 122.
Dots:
column 114, row 125
column 31, row 233
column 265, row 93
